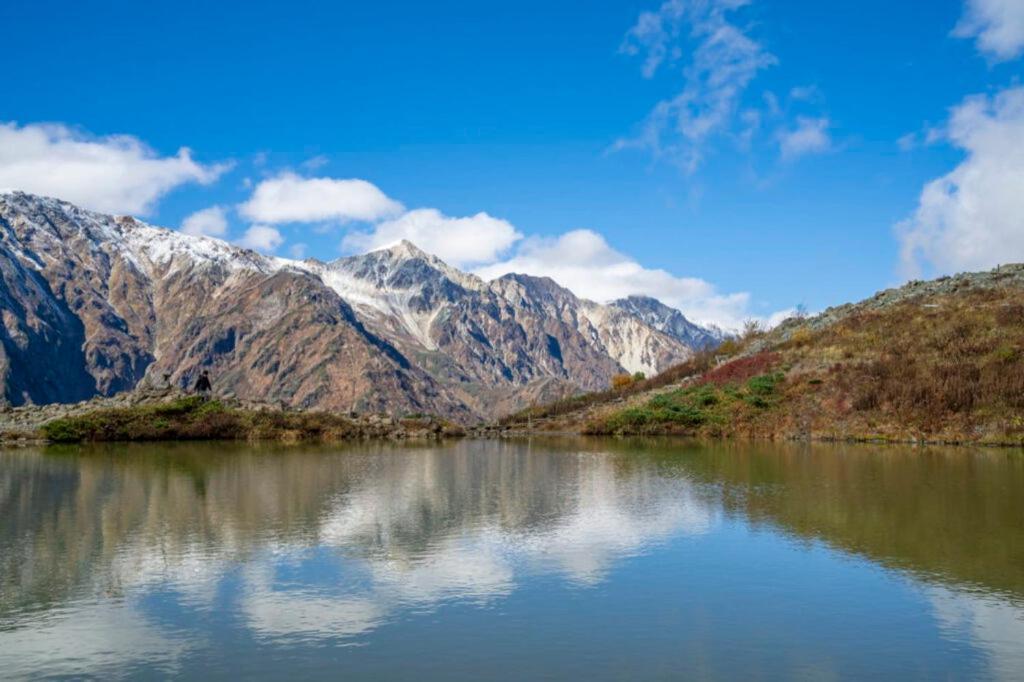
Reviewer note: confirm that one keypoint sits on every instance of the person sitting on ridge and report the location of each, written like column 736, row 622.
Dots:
column 203, row 385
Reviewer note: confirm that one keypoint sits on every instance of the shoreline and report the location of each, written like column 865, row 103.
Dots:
column 170, row 416
column 822, row 440
column 173, row 416
column 389, row 430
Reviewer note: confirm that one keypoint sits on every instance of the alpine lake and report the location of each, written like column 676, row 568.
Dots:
column 567, row 559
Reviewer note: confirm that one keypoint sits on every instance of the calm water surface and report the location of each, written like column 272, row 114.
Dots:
column 576, row 559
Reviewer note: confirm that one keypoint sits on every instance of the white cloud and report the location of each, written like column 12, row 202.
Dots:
column 210, row 222
column 989, row 623
column 810, row 136
column 997, row 26
column 723, row 63
column 583, row 262
column 973, row 217
column 653, row 33
column 317, row 162
column 114, row 174
column 907, row 142
column 261, row 238
column 459, row 241
column 291, row 198
column 98, row 635
column 298, row 251
column 804, row 93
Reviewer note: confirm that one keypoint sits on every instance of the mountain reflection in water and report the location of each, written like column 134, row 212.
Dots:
column 142, row 558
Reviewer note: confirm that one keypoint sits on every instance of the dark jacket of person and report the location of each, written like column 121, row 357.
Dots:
column 203, row 383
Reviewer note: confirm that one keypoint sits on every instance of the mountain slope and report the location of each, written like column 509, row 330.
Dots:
column 94, row 304
column 144, row 302
column 938, row 361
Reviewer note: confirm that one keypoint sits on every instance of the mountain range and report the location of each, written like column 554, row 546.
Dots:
column 94, row 304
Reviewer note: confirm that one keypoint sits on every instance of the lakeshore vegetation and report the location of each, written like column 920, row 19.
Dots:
column 196, row 418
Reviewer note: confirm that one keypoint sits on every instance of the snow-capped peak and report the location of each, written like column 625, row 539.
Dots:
column 148, row 248
column 404, row 250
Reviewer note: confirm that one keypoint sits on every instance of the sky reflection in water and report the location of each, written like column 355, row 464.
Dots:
column 516, row 560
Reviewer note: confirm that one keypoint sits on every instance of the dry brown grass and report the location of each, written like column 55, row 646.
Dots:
column 947, row 367
column 621, row 381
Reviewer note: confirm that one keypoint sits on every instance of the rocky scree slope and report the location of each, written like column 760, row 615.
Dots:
column 657, row 315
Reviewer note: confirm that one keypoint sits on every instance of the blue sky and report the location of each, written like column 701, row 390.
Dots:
column 810, row 131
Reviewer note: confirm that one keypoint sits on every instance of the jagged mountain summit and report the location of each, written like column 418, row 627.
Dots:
column 665, row 319
column 94, row 304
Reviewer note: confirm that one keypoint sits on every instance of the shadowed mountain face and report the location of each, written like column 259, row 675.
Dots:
column 93, row 305
column 42, row 357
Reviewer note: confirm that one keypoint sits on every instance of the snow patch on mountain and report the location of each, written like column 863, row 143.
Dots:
column 635, row 345
column 657, row 315
column 381, row 303
column 146, row 247
column 399, row 288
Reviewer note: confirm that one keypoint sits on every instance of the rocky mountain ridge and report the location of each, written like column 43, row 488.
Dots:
column 665, row 319
column 94, row 304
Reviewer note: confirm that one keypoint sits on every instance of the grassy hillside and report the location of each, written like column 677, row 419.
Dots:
column 194, row 418
column 938, row 361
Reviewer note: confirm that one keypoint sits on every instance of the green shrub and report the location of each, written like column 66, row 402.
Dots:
column 757, row 401
column 178, row 406
column 65, row 430
column 688, row 415
column 634, row 416
column 1006, row 354
column 705, row 396
column 664, row 400
column 765, row 384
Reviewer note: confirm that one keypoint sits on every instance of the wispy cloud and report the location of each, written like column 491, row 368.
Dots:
column 805, row 93
column 808, row 136
column 719, row 60
column 907, row 142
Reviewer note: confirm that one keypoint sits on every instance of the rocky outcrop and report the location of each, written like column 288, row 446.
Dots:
column 670, row 321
